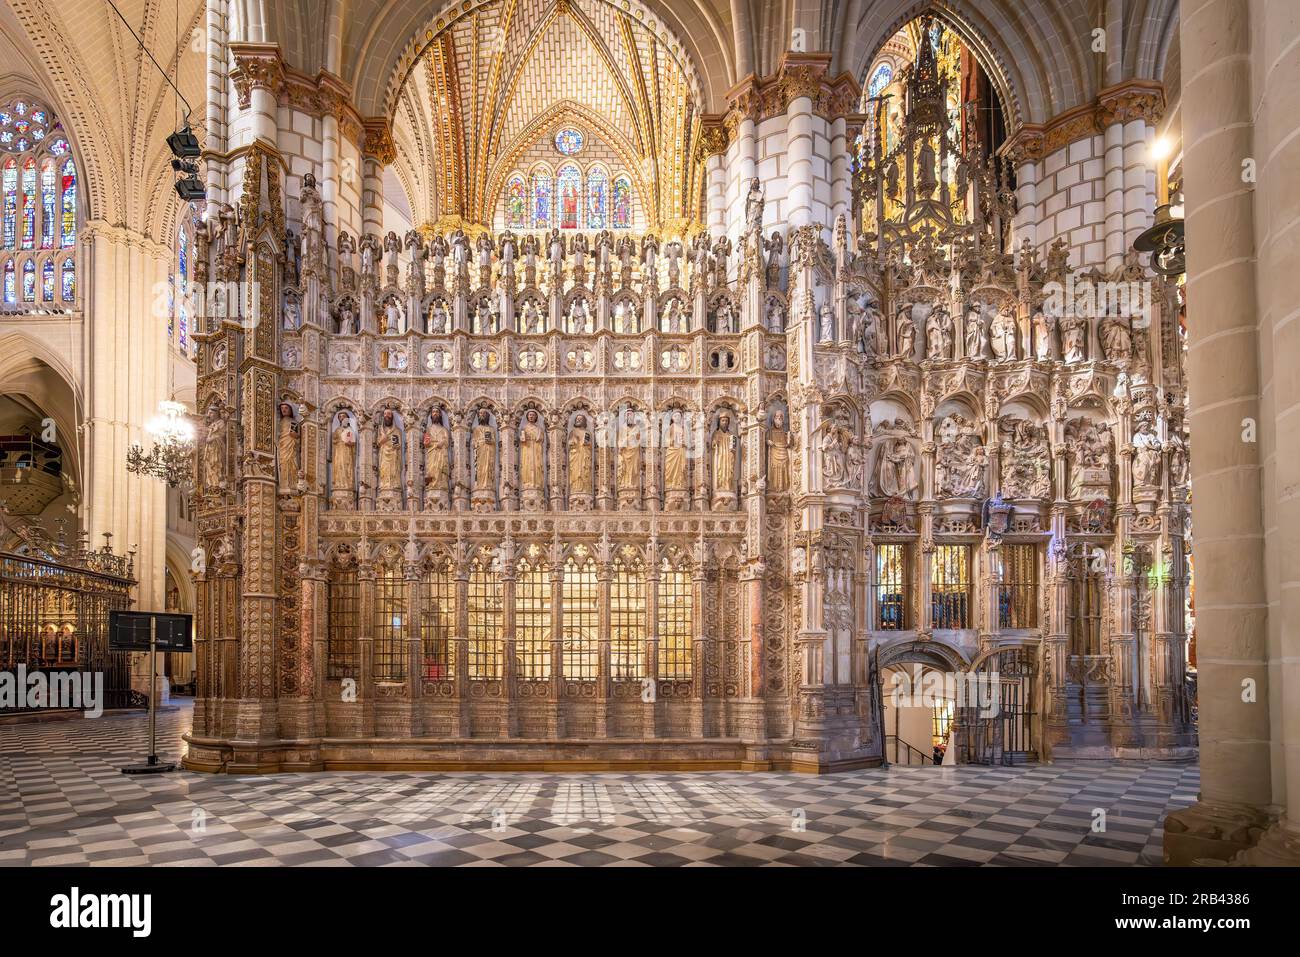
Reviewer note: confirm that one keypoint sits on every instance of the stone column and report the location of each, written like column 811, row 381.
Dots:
column 1223, row 372
column 799, row 160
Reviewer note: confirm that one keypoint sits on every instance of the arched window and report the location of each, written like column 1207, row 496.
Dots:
column 880, row 79
column 38, row 203
column 29, row 203
column 9, row 186
column 622, row 203
column 541, row 199
column 516, row 203
column 183, row 275
column 9, row 281
column 68, row 235
column 568, row 188
column 48, row 203
column 597, row 198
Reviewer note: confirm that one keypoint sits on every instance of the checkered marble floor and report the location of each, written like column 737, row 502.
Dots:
column 64, row 801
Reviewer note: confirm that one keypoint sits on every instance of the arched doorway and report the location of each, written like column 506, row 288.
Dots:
column 919, row 694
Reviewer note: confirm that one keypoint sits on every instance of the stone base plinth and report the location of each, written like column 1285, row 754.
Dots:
column 1212, row 833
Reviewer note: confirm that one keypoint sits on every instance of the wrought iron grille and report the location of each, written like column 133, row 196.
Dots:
column 485, row 635
column 54, row 617
column 1084, row 611
column 390, row 628
column 627, row 620
column 675, row 619
column 437, row 622
column 950, row 586
column 580, row 605
column 342, row 646
column 891, row 587
column 1018, row 592
column 533, row 620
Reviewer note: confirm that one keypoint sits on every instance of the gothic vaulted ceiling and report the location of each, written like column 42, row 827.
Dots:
column 504, row 75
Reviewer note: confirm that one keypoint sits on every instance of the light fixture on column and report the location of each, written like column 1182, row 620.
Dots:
column 172, row 456
column 1164, row 241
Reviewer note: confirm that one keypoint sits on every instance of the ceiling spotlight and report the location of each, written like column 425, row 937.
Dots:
column 190, row 189
column 183, row 143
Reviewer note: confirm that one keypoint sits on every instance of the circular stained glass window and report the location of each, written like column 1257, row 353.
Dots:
column 569, row 141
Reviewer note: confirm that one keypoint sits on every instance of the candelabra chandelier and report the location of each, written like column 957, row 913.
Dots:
column 172, row 456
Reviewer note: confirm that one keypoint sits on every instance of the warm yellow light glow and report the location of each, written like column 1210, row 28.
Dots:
column 1161, row 148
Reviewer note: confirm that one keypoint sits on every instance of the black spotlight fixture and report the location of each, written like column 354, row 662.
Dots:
column 183, row 143
column 189, row 187
column 1164, row 240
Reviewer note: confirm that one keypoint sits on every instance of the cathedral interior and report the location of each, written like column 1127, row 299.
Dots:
column 656, row 386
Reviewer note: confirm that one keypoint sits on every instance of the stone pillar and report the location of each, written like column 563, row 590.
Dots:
column 1223, row 373
column 799, row 160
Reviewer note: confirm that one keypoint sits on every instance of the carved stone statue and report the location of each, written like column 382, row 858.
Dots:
column 754, row 206
column 532, row 455
column 906, row 333
column 532, row 318
column 287, row 446
column 1146, row 453
column 896, row 469
column 578, row 317
column 1074, row 332
column 675, row 321
column 343, row 474
column 389, row 442
column 960, row 460
column 483, row 440
column 675, row 477
column 1042, row 336
column 1116, row 340
column 836, row 441
column 628, row 470
column 292, row 314
column 437, row 462
column 974, row 334
column 723, row 455
column 938, row 335
column 347, row 321
column 1002, row 336
column 438, row 319
column 778, row 455
column 723, row 323
column 826, row 323
column 775, row 247
column 214, row 453
column 580, row 450
column 1026, row 460
column 394, row 321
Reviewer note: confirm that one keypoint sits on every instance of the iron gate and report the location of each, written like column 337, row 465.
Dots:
column 1008, row 735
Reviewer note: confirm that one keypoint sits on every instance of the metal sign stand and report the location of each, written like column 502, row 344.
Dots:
column 152, row 766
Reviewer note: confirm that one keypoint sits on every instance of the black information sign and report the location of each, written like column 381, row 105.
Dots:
column 129, row 631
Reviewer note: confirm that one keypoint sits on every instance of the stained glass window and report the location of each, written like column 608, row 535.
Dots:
column 569, row 141
column 68, row 234
column 880, row 79
column 516, row 203
column 47, row 203
column 9, row 281
column 29, row 203
column 47, row 281
column 69, row 281
column 29, row 281
column 183, row 271
column 569, row 193
column 59, row 147
column 542, row 200
column 597, row 198
column 622, row 203
column 9, row 186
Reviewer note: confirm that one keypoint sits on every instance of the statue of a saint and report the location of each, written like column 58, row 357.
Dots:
column 675, row 455
column 580, row 447
column 628, row 477
column 390, row 457
column 778, row 455
column 484, row 441
column 1002, row 336
column 343, row 477
column 437, row 463
column 896, row 470
column 287, row 445
column 532, row 458
column 723, row 454
column 906, row 334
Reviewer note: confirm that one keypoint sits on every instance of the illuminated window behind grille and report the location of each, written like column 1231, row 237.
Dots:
column 342, row 652
column 674, row 621
column 581, row 609
column 1018, row 593
column 1085, row 605
column 437, row 621
column 891, row 587
column 533, row 620
column 390, row 628
column 484, row 659
column 627, row 622
column 950, row 586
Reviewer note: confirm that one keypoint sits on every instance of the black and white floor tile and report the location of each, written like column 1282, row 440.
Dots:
column 63, row 800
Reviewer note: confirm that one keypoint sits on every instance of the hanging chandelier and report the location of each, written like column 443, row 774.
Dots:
column 172, row 456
